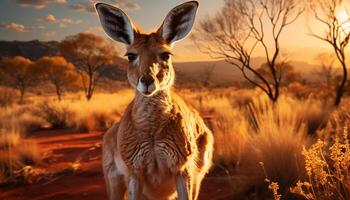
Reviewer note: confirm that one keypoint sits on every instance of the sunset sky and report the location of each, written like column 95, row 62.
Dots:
column 25, row 20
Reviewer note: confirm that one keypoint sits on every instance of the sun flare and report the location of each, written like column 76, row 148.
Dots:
column 343, row 16
column 344, row 19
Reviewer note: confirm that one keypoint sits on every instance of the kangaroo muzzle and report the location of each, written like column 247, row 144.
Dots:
column 146, row 85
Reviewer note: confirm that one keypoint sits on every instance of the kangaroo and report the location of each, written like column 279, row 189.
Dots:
column 161, row 149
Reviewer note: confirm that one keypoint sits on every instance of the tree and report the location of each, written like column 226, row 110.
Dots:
column 90, row 53
column 336, row 34
column 286, row 72
column 242, row 26
column 327, row 72
column 58, row 72
column 207, row 74
column 18, row 72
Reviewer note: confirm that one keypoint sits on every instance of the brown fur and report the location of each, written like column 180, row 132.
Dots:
column 161, row 148
column 158, row 138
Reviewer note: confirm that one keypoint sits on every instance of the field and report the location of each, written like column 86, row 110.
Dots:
column 52, row 149
column 269, row 78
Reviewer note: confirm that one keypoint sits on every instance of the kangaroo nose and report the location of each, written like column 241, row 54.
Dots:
column 147, row 80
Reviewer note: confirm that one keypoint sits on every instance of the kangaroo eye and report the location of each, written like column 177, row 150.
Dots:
column 165, row 56
column 131, row 57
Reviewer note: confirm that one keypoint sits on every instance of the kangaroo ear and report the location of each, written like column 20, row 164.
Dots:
column 179, row 21
column 116, row 23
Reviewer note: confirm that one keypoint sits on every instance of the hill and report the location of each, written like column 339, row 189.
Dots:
column 218, row 72
column 222, row 73
column 30, row 49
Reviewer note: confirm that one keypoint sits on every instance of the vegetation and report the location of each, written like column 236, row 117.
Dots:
column 16, row 151
column 243, row 26
column 263, row 133
column 328, row 72
column 58, row 72
column 287, row 72
column 90, row 53
column 327, row 167
column 18, row 72
column 337, row 35
column 293, row 148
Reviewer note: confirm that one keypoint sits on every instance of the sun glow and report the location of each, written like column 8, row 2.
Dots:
column 343, row 16
column 344, row 19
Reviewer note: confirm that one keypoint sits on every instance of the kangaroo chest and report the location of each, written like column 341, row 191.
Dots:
column 163, row 148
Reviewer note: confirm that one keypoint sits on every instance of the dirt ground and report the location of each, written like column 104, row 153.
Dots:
column 86, row 183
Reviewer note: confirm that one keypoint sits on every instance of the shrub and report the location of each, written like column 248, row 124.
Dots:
column 327, row 169
column 16, row 154
column 7, row 97
column 97, row 114
column 20, row 117
column 260, row 132
column 57, row 116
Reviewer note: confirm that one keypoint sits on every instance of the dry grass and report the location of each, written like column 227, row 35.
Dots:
column 7, row 97
column 327, row 167
column 99, row 113
column 73, row 112
column 249, row 132
column 16, row 152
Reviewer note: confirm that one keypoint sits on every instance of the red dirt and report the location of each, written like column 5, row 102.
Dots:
column 86, row 183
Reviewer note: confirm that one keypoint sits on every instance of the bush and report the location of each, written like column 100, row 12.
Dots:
column 251, row 131
column 57, row 116
column 7, row 97
column 20, row 117
column 328, row 170
column 15, row 154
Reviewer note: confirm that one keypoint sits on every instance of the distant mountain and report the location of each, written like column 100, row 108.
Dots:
column 31, row 49
column 223, row 73
column 215, row 72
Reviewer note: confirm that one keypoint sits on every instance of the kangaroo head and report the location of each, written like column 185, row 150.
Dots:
column 150, row 68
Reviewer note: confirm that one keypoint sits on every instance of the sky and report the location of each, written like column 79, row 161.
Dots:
column 46, row 20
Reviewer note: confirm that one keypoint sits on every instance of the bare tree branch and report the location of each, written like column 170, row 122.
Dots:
column 335, row 35
column 236, row 32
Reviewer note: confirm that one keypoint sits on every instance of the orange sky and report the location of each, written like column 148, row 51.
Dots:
column 296, row 43
column 56, row 19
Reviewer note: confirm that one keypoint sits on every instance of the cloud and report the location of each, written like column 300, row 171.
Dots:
column 97, row 29
column 127, row 5
column 49, row 34
column 87, row 6
column 132, row 6
column 50, row 18
column 40, row 27
column 64, row 22
column 38, row 4
column 16, row 27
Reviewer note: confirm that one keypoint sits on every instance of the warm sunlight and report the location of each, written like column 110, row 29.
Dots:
column 202, row 100
column 343, row 17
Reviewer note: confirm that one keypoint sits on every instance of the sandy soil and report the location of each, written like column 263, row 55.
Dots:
column 86, row 183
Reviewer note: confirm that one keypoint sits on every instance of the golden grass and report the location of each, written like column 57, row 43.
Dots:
column 72, row 112
column 327, row 167
column 16, row 152
column 100, row 112
column 249, row 130
column 7, row 97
